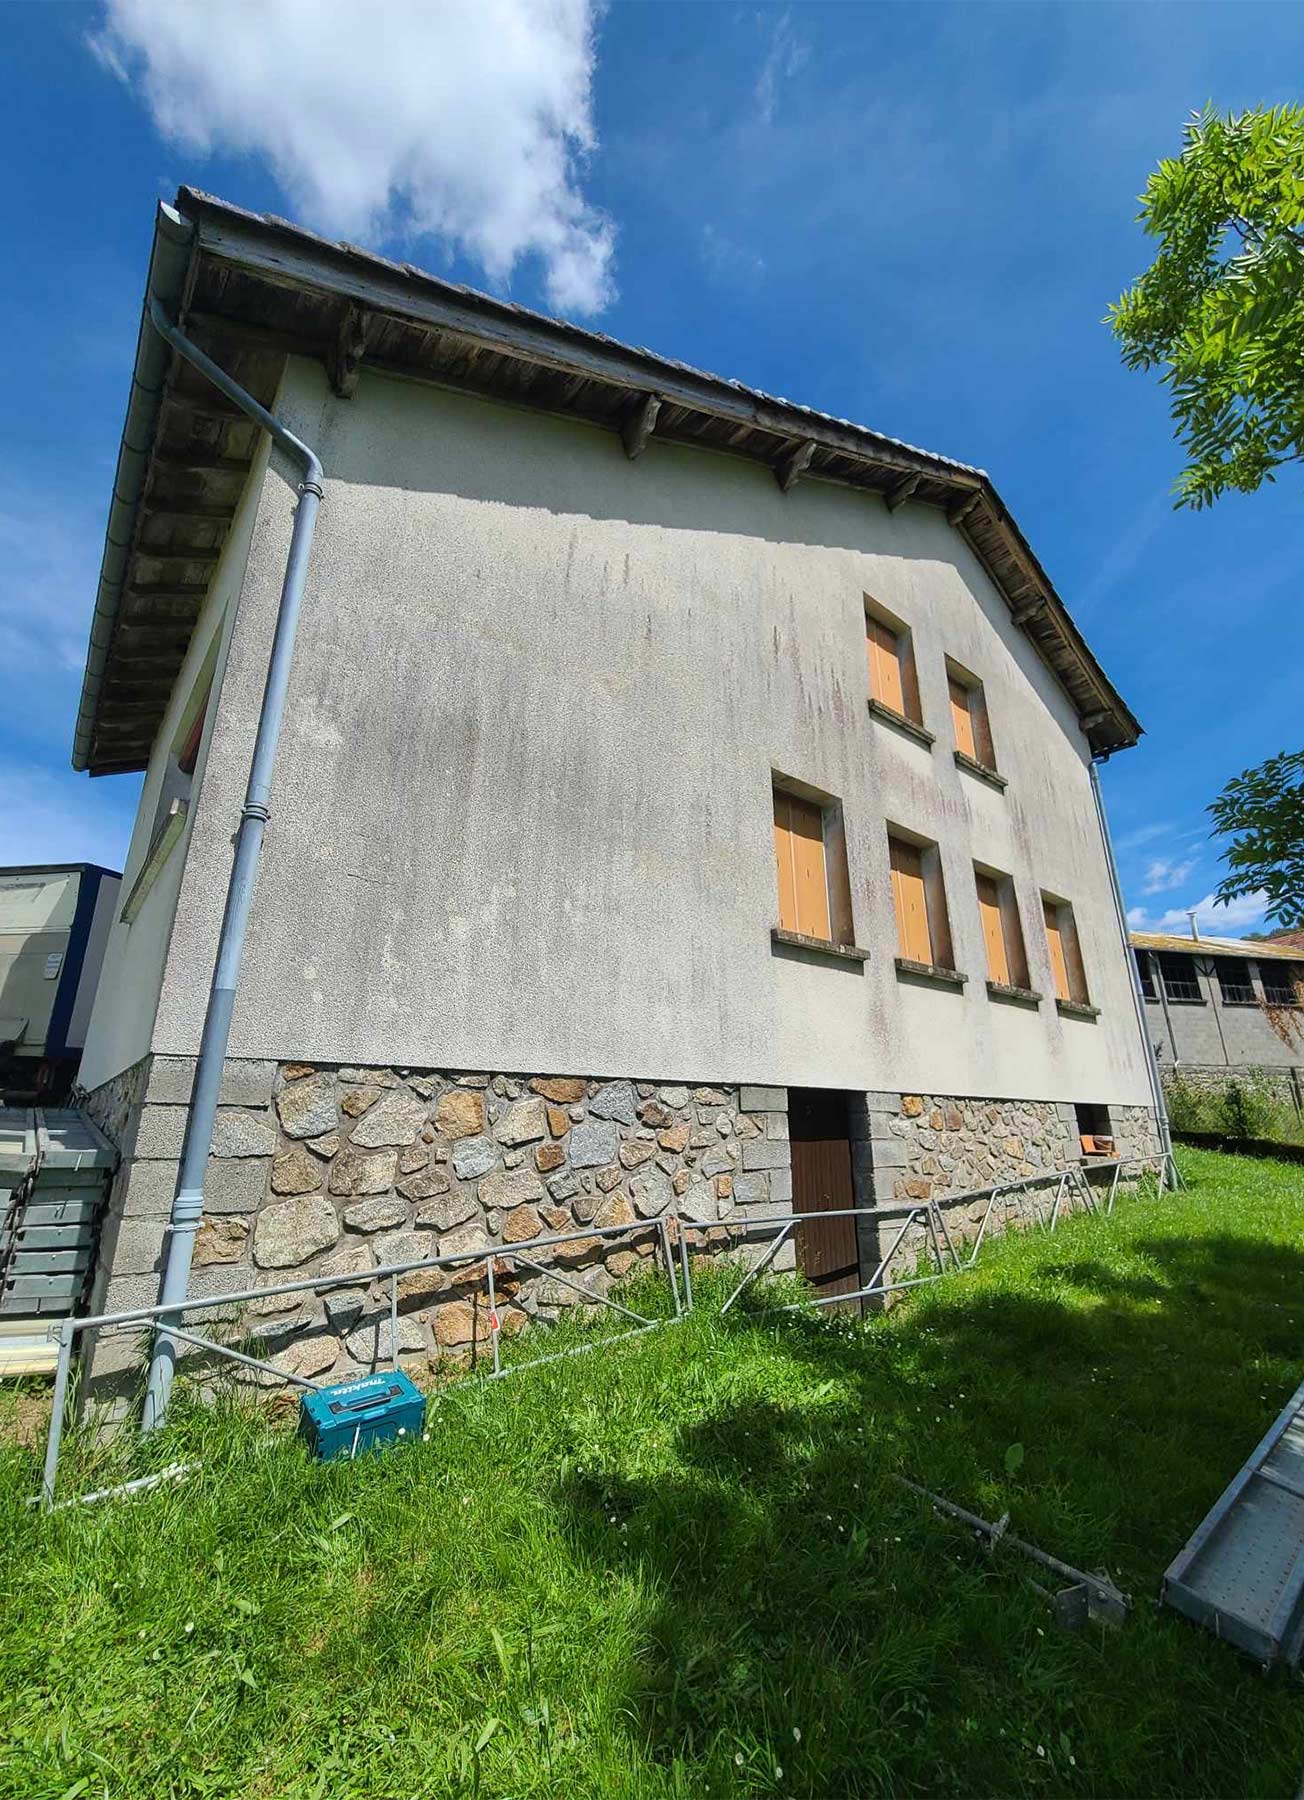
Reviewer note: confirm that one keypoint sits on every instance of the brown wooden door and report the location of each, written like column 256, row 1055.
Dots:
column 821, row 1182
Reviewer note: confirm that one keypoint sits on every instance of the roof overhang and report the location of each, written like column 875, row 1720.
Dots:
column 1262, row 950
column 252, row 290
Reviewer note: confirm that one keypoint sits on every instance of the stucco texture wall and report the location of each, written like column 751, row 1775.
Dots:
column 122, row 1016
column 522, row 806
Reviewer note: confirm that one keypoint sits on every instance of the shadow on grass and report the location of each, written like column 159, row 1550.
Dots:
column 797, row 1583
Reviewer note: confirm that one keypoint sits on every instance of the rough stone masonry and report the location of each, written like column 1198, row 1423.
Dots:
column 323, row 1170
column 319, row 1171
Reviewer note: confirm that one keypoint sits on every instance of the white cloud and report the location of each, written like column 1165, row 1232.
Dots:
column 465, row 120
column 52, row 817
column 784, row 57
column 1163, row 874
column 1142, row 834
column 1217, row 921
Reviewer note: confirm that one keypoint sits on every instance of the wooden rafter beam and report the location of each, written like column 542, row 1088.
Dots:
column 640, row 425
column 957, row 514
column 1028, row 609
column 795, row 464
column 344, row 363
column 898, row 495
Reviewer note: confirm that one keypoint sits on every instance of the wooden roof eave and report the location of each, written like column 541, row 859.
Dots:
column 257, row 290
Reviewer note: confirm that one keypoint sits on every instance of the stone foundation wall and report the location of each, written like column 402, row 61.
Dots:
column 920, row 1146
column 324, row 1170
column 321, row 1170
column 1283, row 1086
column 939, row 1147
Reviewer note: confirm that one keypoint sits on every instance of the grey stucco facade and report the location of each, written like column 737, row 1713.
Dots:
column 1218, row 1009
column 522, row 821
column 523, row 793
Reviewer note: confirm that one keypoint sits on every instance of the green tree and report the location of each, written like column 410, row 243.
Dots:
column 1221, row 308
column 1262, row 811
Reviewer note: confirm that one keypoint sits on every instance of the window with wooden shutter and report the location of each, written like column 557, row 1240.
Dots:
column 998, row 910
column 1065, row 956
column 962, row 718
column 969, row 723
column 1058, row 963
column 989, row 909
column 802, row 867
column 910, row 898
column 892, row 680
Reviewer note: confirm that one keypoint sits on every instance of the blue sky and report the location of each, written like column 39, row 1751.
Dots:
column 912, row 216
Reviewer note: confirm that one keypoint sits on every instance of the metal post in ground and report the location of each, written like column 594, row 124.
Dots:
column 493, row 1313
column 58, row 1402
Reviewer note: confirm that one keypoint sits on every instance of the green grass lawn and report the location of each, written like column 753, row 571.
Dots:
column 680, row 1567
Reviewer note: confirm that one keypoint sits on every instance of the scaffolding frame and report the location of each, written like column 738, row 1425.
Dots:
column 671, row 1231
column 1069, row 1184
column 159, row 1321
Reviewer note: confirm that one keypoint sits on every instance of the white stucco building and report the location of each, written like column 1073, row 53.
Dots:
column 669, row 773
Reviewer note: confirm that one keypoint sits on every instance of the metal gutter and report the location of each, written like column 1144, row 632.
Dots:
column 188, row 1199
column 1134, row 974
column 169, row 264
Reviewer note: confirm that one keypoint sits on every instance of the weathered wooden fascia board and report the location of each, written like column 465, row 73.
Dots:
column 616, row 366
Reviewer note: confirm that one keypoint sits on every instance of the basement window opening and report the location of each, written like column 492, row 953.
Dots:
column 1095, row 1131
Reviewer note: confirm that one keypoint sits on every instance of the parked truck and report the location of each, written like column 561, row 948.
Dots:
column 54, row 924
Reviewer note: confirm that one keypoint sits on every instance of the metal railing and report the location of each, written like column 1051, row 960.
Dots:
column 671, row 1233
column 927, row 1218
column 159, row 1321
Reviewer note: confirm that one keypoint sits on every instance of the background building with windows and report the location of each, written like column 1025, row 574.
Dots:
column 1220, row 1006
column 684, row 798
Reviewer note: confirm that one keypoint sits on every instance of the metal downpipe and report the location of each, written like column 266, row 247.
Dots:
column 188, row 1201
column 1138, row 999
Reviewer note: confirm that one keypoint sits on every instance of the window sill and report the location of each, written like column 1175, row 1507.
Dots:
column 1238, row 1003
column 1076, row 1009
column 1172, row 1001
column 931, row 972
column 890, row 716
column 798, row 940
column 971, row 764
column 1017, row 996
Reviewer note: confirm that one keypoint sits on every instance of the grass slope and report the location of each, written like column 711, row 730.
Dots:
column 680, row 1568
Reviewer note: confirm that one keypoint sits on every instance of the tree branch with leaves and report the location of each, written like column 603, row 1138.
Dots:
column 1221, row 309
column 1262, row 811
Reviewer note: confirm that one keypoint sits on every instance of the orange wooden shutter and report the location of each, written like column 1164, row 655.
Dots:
column 811, row 877
column 799, row 853
column 884, row 665
column 962, row 719
column 784, row 862
column 1055, row 939
column 989, row 908
column 910, row 902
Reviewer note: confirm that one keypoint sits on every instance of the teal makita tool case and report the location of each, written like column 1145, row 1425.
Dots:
column 353, row 1416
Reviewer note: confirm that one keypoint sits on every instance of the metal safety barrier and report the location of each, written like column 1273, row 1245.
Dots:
column 920, row 1215
column 671, row 1232
column 163, row 1321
